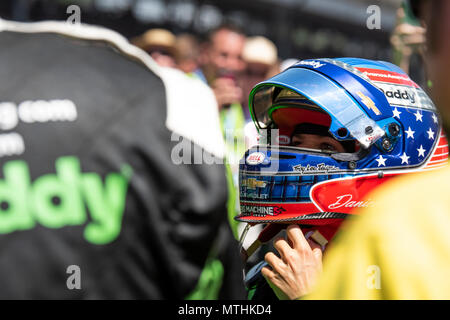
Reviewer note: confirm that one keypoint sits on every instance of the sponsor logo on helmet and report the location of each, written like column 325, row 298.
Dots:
column 320, row 168
column 368, row 103
column 387, row 77
column 370, row 138
column 261, row 211
column 255, row 158
column 406, row 96
column 400, row 94
column 346, row 201
column 312, row 63
column 252, row 183
column 251, row 194
column 282, row 139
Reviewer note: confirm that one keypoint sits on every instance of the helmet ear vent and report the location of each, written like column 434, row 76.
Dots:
column 394, row 129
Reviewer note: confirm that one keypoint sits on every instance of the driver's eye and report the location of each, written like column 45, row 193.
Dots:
column 327, row 147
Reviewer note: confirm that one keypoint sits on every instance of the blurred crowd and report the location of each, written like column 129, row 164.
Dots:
column 230, row 62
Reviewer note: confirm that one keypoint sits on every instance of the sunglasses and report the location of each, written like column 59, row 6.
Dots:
column 159, row 50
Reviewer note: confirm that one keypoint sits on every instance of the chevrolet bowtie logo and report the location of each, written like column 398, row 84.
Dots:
column 368, row 103
column 253, row 183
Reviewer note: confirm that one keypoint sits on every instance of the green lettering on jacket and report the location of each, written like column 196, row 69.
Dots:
column 61, row 199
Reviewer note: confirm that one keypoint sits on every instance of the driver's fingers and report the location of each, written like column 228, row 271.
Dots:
column 296, row 237
column 276, row 263
column 282, row 247
column 268, row 272
column 316, row 249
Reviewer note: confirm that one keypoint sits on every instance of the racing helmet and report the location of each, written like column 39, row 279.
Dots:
column 386, row 124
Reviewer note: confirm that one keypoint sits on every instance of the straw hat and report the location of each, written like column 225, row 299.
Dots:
column 259, row 49
column 159, row 38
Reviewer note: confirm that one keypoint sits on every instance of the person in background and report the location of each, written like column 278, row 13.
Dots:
column 160, row 44
column 187, row 53
column 96, row 203
column 222, row 67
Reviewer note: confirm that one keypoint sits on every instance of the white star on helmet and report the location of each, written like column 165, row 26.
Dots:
column 381, row 161
column 396, row 113
column 435, row 119
column 418, row 116
column 404, row 158
column 409, row 133
column 421, row 151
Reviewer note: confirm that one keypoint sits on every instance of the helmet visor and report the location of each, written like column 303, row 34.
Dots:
column 309, row 86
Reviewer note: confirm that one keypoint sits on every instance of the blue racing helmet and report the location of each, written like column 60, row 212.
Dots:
column 385, row 123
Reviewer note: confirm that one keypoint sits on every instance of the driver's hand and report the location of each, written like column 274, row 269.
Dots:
column 294, row 274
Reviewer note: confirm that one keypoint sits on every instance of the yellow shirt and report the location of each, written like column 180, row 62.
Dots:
column 399, row 249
